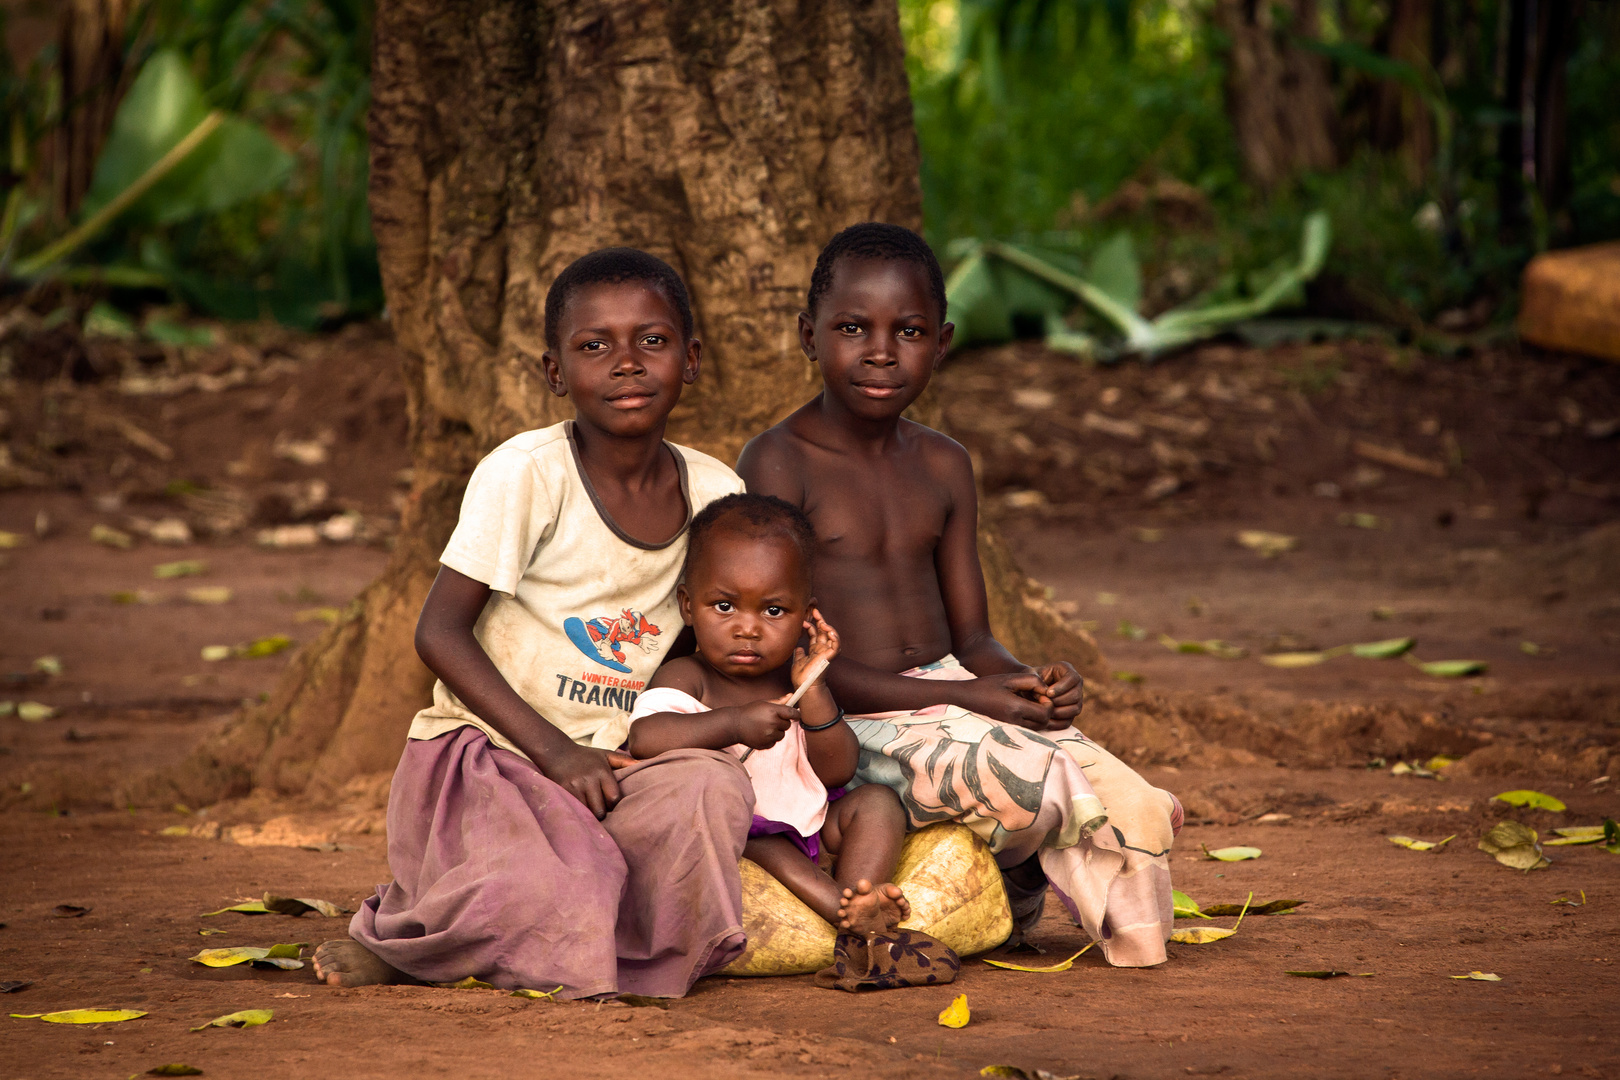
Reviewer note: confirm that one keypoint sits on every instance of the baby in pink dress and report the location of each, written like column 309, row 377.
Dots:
column 746, row 596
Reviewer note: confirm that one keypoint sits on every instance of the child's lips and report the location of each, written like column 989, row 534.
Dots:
column 636, row 397
column 744, row 657
column 878, row 390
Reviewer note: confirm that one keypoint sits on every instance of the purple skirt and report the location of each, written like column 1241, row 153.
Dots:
column 810, row 845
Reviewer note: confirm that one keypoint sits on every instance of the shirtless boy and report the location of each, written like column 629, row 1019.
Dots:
column 897, row 569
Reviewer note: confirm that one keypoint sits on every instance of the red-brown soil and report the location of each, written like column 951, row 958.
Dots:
column 1235, row 738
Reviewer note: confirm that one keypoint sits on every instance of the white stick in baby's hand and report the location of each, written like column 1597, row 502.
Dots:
column 814, row 672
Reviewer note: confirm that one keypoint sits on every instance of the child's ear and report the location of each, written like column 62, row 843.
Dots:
column 807, row 336
column 946, row 334
column 684, row 599
column 553, row 374
column 694, row 361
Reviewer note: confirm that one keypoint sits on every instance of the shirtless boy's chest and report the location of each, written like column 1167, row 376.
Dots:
column 877, row 511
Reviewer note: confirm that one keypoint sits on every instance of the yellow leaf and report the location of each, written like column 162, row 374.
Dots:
column 83, row 1016
column 209, row 594
column 34, row 712
column 546, row 994
column 1268, row 544
column 240, row 954
column 1294, row 659
column 1421, row 845
column 956, row 1014
column 1232, row 854
column 176, row 830
column 1479, row 976
column 181, row 568
column 1203, row 935
column 245, row 1018
column 252, row 907
column 1064, row 965
column 469, row 983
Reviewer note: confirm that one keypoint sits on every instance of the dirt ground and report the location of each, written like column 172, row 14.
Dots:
column 1510, row 555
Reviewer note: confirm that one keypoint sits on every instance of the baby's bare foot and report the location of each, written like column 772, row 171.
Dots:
column 867, row 911
column 346, row 962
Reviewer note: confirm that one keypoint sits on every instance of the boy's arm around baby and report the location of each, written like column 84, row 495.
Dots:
column 448, row 646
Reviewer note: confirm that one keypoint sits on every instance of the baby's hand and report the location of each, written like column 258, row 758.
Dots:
column 762, row 724
column 823, row 644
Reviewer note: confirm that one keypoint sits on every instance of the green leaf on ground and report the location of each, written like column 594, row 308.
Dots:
column 1127, row 676
column 209, row 931
column 1215, row 648
column 265, row 646
column 34, row 712
column 1330, row 974
column 1062, row 965
column 1514, row 845
column 245, row 1018
column 1479, row 976
column 1571, row 903
column 251, row 907
column 1232, row 854
column 1421, row 845
column 1452, row 669
column 1204, row 935
column 1383, row 650
column 1185, row 906
column 1274, row 907
column 1534, row 800
column 83, row 1016
column 180, row 568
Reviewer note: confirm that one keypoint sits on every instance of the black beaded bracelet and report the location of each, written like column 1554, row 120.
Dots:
column 828, row 724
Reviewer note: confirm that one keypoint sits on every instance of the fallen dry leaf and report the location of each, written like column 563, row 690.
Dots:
column 83, row 1016
column 1330, row 974
column 1421, row 845
column 11, row 986
column 174, row 1068
column 180, row 568
column 1062, row 965
column 469, row 983
column 1514, row 845
column 69, row 911
column 1204, row 935
column 956, row 1014
column 244, row 1019
column 1479, row 976
column 536, row 994
column 1232, row 854
column 34, row 712
column 299, row 905
column 1268, row 544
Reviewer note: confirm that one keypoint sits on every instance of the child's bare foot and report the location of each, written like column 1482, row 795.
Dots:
column 346, row 962
column 867, row 911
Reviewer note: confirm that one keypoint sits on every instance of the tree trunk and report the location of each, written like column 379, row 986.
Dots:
column 1400, row 119
column 1277, row 95
column 91, row 60
column 508, row 137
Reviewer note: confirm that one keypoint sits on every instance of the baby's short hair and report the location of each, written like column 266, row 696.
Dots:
column 758, row 516
column 615, row 266
column 876, row 240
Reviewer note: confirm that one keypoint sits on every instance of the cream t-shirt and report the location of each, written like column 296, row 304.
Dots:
column 580, row 614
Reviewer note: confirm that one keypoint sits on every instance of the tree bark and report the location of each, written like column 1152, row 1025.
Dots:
column 1400, row 119
column 91, row 60
column 1277, row 95
column 730, row 137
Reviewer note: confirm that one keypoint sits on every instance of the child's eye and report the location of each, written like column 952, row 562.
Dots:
column 723, row 607
column 654, row 339
column 911, row 331
column 776, row 611
column 848, row 328
column 594, row 346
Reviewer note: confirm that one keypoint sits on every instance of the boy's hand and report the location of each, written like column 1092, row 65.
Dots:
column 1064, row 690
column 823, row 643
column 1009, row 698
column 762, row 724
column 585, row 773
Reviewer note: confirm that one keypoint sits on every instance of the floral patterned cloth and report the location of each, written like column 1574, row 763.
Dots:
column 1103, row 834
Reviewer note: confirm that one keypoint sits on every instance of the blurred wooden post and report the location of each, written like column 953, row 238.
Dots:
column 91, row 45
column 1277, row 94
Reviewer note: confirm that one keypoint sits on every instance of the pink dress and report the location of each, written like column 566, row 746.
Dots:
column 788, row 796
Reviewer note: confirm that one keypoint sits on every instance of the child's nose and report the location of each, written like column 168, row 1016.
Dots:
column 628, row 362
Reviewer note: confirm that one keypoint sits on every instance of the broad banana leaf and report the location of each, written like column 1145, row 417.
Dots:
column 984, row 300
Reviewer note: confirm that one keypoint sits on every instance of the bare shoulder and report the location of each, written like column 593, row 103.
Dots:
column 946, row 458
column 773, row 463
column 682, row 673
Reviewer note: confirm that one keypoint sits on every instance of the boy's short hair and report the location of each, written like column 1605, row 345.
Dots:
column 875, row 240
column 759, row 517
column 615, row 266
